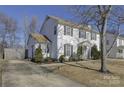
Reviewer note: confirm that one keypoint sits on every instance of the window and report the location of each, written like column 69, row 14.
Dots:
column 47, row 49
column 55, row 30
column 120, row 41
column 120, row 51
column 68, row 50
column 82, row 34
column 68, row 30
column 107, row 42
column 88, row 36
column 93, row 36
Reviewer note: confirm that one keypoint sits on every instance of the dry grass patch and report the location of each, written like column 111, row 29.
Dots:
column 88, row 73
column 2, row 63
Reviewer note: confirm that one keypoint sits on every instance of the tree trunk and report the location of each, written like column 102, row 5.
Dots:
column 103, row 46
column 104, row 19
column 103, row 53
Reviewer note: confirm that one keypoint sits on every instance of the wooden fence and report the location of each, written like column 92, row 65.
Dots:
column 13, row 53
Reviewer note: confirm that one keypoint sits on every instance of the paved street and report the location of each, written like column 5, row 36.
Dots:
column 26, row 74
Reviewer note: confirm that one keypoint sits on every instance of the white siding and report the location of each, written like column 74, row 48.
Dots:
column 48, row 30
column 35, row 45
column 73, row 40
column 110, row 38
column 30, row 43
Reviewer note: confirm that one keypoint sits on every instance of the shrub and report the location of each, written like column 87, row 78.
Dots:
column 62, row 58
column 95, row 54
column 74, row 57
column 54, row 60
column 38, row 55
column 80, row 52
column 71, row 58
column 49, row 59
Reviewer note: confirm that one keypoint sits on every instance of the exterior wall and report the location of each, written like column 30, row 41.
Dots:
column 114, row 52
column 122, row 41
column 110, row 38
column 31, row 43
column 48, row 30
column 35, row 45
column 120, row 46
column 73, row 40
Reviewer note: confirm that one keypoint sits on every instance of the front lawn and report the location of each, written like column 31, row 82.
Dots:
column 1, row 72
column 2, row 63
column 88, row 73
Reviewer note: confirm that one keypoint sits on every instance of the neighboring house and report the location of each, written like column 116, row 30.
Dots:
column 63, row 37
column 118, row 48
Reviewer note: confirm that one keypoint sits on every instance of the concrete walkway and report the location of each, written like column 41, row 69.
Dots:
column 25, row 74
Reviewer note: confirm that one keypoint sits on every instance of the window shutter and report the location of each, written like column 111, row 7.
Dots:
column 64, row 49
column 71, row 50
column 79, row 34
column 91, row 36
column 55, row 30
column 95, row 36
column 85, row 36
column 47, row 48
column 71, row 31
column 64, row 30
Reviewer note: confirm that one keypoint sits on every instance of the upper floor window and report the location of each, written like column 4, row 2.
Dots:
column 82, row 34
column 68, row 50
column 68, row 30
column 88, row 36
column 55, row 30
column 93, row 36
column 107, row 42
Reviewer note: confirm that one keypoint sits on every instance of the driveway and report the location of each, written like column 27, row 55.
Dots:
column 26, row 74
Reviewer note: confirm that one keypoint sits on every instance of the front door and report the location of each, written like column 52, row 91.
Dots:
column 84, row 49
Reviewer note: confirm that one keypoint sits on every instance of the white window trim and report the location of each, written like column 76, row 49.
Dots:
column 68, row 31
column 68, row 49
column 82, row 35
column 93, row 36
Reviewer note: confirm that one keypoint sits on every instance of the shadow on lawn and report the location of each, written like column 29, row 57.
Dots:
column 85, row 67
column 81, row 66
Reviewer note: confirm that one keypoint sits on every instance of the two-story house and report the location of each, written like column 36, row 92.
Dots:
column 62, row 37
column 65, row 37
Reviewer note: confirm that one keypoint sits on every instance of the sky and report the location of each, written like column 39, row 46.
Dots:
column 18, row 13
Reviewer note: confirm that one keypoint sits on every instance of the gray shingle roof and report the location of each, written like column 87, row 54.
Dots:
column 69, row 23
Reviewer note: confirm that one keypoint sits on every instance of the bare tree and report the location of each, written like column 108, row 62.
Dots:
column 8, row 29
column 104, row 18
column 33, row 24
column 29, row 27
column 26, row 30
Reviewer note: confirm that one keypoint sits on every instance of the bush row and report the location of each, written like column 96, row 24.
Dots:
column 95, row 54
